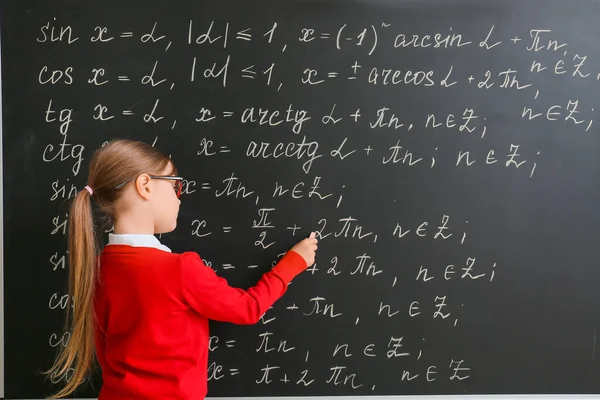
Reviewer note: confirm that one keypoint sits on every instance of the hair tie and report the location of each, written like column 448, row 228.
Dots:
column 89, row 189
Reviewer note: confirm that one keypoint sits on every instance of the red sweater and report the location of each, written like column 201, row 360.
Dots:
column 153, row 308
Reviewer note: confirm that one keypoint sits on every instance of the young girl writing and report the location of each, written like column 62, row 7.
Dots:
column 138, row 308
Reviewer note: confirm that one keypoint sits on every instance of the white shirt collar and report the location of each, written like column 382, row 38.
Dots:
column 137, row 240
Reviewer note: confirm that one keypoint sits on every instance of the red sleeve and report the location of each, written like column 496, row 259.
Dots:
column 100, row 347
column 100, row 340
column 211, row 295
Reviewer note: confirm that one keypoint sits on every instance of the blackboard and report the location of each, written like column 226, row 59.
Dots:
column 446, row 151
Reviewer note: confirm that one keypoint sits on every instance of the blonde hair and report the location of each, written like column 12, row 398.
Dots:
column 111, row 168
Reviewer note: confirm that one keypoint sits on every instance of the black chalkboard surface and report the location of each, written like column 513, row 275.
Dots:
column 446, row 151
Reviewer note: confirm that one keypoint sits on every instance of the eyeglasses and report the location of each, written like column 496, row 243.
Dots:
column 178, row 182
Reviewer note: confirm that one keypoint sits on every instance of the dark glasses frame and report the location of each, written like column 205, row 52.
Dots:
column 178, row 185
column 178, row 182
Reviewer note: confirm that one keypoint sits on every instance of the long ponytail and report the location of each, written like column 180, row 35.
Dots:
column 74, row 361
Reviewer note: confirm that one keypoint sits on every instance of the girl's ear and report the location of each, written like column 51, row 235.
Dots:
column 142, row 186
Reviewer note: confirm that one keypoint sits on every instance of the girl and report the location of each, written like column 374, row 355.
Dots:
column 141, row 310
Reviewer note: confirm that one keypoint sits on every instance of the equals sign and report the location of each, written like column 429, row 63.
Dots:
column 227, row 114
column 124, row 78
column 233, row 371
column 126, row 34
column 206, row 186
column 224, row 149
column 325, row 35
column 228, row 266
column 127, row 112
column 230, row 343
column 226, row 229
column 332, row 75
